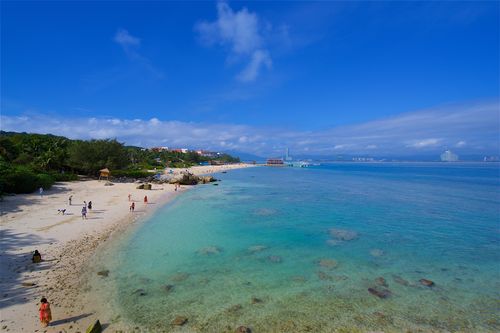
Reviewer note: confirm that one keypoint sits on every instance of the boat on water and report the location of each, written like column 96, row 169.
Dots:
column 298, row 164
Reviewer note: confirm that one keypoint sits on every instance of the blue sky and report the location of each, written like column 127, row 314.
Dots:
column 319, row 77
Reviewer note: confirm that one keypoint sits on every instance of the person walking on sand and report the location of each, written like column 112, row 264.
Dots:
column 132, row 207
column 146, row 199
column 40, row 190
column 129, row 197
column 84, row 213
column 45, row 313
column 69, row 199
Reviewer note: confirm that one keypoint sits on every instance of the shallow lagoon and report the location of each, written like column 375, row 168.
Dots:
column 248, row 252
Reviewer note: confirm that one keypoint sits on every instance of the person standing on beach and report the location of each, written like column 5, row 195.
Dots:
column 84, row 213
column 45, row 313
column 69, row 199
column 129, row 197
column 146, row 199
column 132, row 207
column 41, row 192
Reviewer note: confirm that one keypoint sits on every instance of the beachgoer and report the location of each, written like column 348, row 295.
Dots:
column 132, row 207
column 146, row 199
column 45, row 313
column 84, row 213
column 129, row 196
column 37, row 257
column 59, row 211
column 90, row 205
column 69, row 199
column 40, row 190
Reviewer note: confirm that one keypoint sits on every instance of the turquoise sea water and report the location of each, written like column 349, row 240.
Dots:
column 258, row 251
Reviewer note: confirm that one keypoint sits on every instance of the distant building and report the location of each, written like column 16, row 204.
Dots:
column 449, row 156
column 363, row 159
column 491, row 159
column 275, row 161
column 158, row 149
column 287, row 155
column 180, row 150
column 206, row 153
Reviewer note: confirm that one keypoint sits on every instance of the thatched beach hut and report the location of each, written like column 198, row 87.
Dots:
column 104, row 173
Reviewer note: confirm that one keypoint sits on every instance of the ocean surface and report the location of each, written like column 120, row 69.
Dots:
column 333, row 248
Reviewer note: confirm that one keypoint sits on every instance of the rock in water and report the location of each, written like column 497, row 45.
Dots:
column 210, row 250
column 380, row 292
column 94, row 328
column 275, row 259
column 179, row 321
column 333, row 242
column 256, row 300
column 257, row 248
column 327, row 263
column 168, row 287
column 427, row 283
column 103, row 273
column 377, row 253
column 343, row 234
column 400, row 280
column 381, row 281
column 140, row 292
column 235, row 308
column 243, row 329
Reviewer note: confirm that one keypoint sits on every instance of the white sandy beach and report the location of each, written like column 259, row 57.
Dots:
column 30, row 222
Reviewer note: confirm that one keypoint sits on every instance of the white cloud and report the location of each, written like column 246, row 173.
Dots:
column 259, row 59
column 125, row 39
column 474, row 128
column 130, row 45
column 425, row 143
column 239, row 31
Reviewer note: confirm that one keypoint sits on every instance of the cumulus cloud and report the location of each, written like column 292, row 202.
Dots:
column 241, row 33
column 469, row 128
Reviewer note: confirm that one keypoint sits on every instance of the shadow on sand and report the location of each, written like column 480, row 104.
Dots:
column 14, row 263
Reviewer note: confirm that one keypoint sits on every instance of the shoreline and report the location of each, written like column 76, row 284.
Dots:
column 67, row 245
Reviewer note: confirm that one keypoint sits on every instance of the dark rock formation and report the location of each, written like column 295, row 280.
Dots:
column 103, row 273
column 179, row 321
column 243, row 329
column 381, row 281
column 140, row 292
column 168, row 287
column 427, row 283
column 256, row 300
column 380, row 292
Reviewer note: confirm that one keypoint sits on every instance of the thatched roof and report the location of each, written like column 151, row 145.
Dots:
column 104, row 171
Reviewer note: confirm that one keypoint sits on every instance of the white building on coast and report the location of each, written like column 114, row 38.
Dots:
column 449, row 156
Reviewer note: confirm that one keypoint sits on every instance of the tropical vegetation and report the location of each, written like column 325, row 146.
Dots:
column 31, row 161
